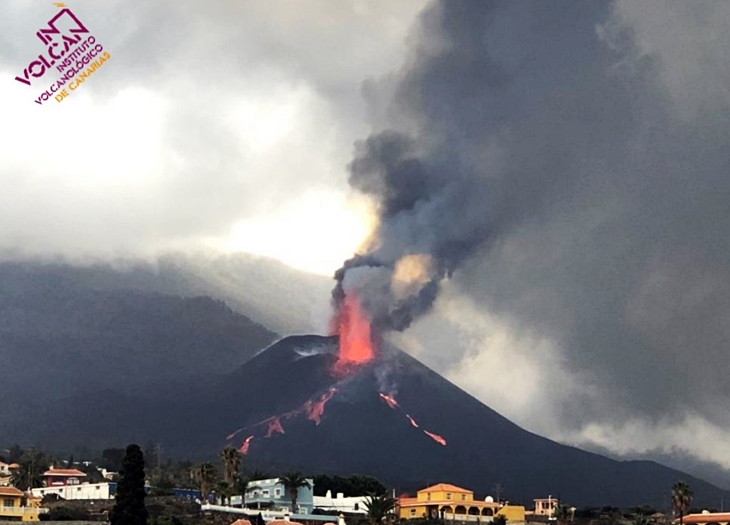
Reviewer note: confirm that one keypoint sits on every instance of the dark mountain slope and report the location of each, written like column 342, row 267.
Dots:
column 359, row 432
column 64, row 340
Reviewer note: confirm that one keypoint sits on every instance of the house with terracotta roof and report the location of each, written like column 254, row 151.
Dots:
column 16, row 505
column 60, row 477
column 6, row 471
column 446, row 501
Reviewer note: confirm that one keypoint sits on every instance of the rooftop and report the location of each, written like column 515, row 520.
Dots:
column 706, row 518
column 64, row 472
column 10, row 491
column 446, row 487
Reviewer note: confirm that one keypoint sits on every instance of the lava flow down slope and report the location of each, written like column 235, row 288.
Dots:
column 312, row 405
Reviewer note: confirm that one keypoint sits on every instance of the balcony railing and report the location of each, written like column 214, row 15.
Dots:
column 21, row 511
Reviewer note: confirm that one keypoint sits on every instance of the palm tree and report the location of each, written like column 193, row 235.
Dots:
column 681, row 498
column 224, row 491
column 379, row 507
column 256, row 475
column 29, row 474
column 231, row 459
column 205, row 475
column 293, row 481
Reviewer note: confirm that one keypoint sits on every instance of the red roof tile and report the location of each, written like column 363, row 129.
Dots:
column 10, row 491
column 65, row 472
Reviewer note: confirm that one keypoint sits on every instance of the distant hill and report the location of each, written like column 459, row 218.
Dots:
column 60, row 338
column 285, row 300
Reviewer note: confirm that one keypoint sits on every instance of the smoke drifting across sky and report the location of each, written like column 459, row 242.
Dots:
column 570, row 164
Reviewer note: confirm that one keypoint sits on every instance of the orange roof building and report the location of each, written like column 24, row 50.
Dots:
column 13, row 507
column 444, row 500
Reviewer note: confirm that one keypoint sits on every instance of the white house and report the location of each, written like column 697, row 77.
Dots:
column 352, row 504
column 83, row 491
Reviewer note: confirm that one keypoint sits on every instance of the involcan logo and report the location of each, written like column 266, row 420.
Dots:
column 70, row 49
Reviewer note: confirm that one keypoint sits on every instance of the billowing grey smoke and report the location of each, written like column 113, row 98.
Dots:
column 569, row 163
column 442, row 187
column 417, row 201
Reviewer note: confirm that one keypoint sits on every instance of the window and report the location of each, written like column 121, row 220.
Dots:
column 8, row 502
column 463, row 497
column 448, row 495
column 78, row 489
column 428, row 496
column 413, row 512
column 266, row 493
column 357, row 507
column 277, row 492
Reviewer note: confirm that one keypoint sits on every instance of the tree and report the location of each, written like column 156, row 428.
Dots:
column 379, row 507
column 231, row 459
column 640, row 520
column 354, row 485
column 293, row 481
column 111, row 459
column 29, row 474
column 562, row 514
column 681, row 498
column 224, row 491
column 205, row 475
column 256, row 475
column 129, row 508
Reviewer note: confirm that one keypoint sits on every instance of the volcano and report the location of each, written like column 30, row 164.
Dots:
column 291, row 407
column 396, row 419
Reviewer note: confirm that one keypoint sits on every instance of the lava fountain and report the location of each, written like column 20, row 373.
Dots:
column 353, row 327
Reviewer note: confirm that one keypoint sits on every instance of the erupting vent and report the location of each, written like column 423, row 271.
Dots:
column 353, row 327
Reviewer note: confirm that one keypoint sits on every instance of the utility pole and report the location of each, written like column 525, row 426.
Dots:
column 498, row 491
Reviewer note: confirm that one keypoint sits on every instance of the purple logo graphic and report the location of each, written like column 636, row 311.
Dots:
column 70, row 48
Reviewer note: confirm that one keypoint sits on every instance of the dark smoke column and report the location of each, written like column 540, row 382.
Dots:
column 432, row 197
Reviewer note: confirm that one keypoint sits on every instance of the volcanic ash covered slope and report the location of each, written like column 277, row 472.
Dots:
column 398, row 420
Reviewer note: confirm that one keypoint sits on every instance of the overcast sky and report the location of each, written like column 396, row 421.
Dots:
column 596, row 311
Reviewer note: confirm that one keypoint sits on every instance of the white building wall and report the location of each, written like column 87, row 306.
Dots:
column 354, row 504
column 83, row 491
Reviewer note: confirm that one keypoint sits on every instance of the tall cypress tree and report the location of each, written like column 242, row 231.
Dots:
column 129, row 508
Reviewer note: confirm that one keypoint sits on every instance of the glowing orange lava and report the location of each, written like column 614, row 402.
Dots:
column 435, row 437
column 315, row 409
column 245, row 445
column 353, row 327
column 413, row 421
column 274, row 426
column 392, row 403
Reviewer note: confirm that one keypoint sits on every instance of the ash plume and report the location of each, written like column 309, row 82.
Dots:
column 566, row 165
column 436, row 202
